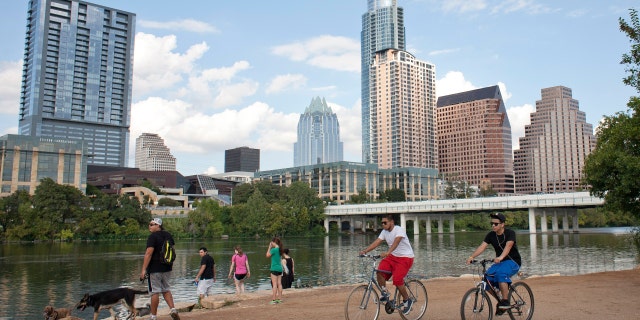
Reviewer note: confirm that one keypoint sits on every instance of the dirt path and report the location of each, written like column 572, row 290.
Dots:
column 606, row 295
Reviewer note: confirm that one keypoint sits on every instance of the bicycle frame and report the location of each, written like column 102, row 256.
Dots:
column 394, row 302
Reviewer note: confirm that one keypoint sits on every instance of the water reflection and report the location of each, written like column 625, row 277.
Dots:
column 35, row 275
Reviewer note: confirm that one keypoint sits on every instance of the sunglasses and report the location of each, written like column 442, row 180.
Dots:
column 152, row 224
column 384, row 222
column 495, row 223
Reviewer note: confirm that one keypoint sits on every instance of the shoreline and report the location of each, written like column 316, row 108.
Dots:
column 608, row 294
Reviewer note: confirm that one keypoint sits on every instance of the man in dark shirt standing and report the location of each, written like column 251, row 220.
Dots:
column 507, row 261
column 158, row 273
column 206, row 275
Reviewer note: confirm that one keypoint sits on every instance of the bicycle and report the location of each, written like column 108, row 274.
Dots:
column 364, row 303
column 476, row 303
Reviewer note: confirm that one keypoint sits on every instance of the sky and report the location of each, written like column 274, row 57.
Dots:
column 215, row 75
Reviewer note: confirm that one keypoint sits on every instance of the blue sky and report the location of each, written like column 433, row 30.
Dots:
column 215, row 75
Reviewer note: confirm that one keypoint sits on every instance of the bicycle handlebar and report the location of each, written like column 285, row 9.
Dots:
column 374, row 257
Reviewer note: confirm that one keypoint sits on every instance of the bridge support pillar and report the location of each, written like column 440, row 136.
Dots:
column 326, row 225
column 575, row 220
column 554, row 221
column 532, row 220
column 543, row 221
column 565, row 221
column 351, row 224
column 440, row 225
column 451, row 225
column 428, row 225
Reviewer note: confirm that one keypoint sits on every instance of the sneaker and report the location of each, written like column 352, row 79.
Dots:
column 174, row 314
column 278, row 301
column 504, row 305
column 273, row 302
column 407, row 306
column 384, row 297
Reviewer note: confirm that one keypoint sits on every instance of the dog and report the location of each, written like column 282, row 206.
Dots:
column 51, row 313
column 107, row 299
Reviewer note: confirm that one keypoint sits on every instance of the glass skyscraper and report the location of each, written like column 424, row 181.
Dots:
column 77, row 76
column 318, row 136
column 382, row 28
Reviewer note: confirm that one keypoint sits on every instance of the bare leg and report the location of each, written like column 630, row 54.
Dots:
column 168, row 298
column 403, row 292
column 274, row 287
column 155, row 301
column 504, row 290
column 381, row 280
column 237, row 282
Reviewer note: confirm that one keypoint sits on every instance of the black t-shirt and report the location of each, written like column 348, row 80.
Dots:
column 499, row 242
column 207, row 260
column 155, row 240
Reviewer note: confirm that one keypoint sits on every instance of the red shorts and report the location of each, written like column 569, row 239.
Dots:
column 399, row 267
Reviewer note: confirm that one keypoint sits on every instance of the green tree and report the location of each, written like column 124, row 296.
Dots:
column 58, row 205
column 392, row 195
column 613, row 168
column 361, row 197
column 9, row 213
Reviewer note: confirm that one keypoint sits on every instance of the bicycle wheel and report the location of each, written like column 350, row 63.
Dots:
column 476, row 305
column 418, row 294
column 362, row 304
column 521, row 300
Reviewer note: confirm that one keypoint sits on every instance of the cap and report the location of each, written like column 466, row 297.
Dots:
column 157, row 221
column 499, row 216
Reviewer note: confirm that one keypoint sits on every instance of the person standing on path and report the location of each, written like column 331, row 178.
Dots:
column 206, row 274
column 158, row 273
column 274, row 252
column 507, row 261
column 240, row 269
column 287, row 278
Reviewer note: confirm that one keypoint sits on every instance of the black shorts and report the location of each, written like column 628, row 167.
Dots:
column 239, row 276
column 276, row 273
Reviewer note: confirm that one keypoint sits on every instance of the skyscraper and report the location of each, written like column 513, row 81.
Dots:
column 76, row 81
column 242, row 159
column 318, row 136
column 474, row 139
column 382, row 28
column 152, row 154
column 555, row 145
column 403, row 111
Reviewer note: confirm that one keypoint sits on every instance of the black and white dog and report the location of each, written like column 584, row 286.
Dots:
column 107, row 299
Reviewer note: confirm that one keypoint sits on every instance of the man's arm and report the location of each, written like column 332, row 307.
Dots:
column 478, row 251
column 202, row 267
column 505, row 252
column 145, row 264
column 372, row 246
column 393, row 246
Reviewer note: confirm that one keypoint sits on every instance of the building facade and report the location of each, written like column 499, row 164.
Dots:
column 318, row 136
column 382, row 28
column 336, row 182
column 402, row 111
column 152, row 154
column 474, row 139
column 555, row 145
column 242, row 159
column 77, row 76
column 26, row 160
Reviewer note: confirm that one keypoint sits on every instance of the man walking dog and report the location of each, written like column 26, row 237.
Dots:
column 157, row 272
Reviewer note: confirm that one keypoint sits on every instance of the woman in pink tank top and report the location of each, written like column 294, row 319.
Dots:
column 240, row 269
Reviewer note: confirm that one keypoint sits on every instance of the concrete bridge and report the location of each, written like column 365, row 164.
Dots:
column 557, row 205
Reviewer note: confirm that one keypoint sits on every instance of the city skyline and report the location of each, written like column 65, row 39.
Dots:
column 227, row 74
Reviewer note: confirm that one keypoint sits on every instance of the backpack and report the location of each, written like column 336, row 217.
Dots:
column 167, row 252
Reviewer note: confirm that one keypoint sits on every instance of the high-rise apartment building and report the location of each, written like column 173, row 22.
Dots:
column 152, row 154
column 474, row 139
column 318, row 136
column 555, row 145
column 402, row 110
column 242, row 159
column 76, row 81
column 382, row 28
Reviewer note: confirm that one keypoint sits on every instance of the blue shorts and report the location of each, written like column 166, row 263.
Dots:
column 502, row 272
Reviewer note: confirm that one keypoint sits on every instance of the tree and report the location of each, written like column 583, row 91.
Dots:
column 392, row 195
column 613, row 168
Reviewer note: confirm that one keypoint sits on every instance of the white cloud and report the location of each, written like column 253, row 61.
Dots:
column 211, row 170
column 10, row 80
column 233, row 94
column 528, row 6
column 328, row 52
column 190, row 25
column 463, row 5
column 350, row 129
column 151, row 52
column 503, row 90
column 285, row 82
column 443, row 51
column 453, row 82
column 519, row 116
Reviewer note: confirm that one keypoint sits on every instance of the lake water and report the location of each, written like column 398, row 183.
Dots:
column 58, row 274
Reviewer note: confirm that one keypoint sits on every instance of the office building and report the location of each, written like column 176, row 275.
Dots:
column 318, row 135
column 242, row 159
column 77, row 73
column 337, row 182
column 555, row 145
column 152, row 154
column 402, row 110
column 474, row 139
column 26, row 160
column 382, row 28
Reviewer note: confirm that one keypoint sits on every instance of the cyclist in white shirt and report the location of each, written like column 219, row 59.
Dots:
column 398, row 259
